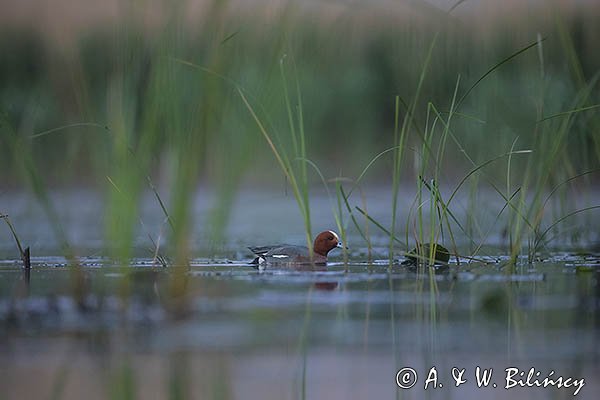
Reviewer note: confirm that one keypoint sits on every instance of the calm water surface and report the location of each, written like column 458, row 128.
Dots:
column 343, row 332
column 339, row 333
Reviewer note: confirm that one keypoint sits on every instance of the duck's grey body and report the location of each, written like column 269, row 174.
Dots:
column 284, row 254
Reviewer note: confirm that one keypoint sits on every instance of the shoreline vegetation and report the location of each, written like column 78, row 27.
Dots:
column 347, row 98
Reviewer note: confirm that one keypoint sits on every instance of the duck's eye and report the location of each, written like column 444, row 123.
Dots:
column 330, row 238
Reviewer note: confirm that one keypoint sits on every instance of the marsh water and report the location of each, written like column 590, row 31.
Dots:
column 341, row 332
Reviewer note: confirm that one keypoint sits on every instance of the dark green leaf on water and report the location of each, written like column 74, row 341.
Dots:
column 422, row 254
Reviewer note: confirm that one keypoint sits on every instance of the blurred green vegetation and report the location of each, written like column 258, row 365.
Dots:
column 125, row 103
column 126, row 77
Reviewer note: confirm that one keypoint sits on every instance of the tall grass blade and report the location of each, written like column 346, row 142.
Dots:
column 569, row 113
column 61, row 128
column 160, row 202
column 299, row 193
column 352, row 217
column 379, row 225
column 540, row 238
column 495, row 67
column 14, row 233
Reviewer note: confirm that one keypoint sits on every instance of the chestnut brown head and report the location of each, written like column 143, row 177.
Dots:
column 325, row 241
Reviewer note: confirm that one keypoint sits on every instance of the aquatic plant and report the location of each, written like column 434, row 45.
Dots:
column 165, row 110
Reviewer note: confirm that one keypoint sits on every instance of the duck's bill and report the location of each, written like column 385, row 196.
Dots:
column 341, row 246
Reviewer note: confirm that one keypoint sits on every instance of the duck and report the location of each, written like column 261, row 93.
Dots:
column 296, row 255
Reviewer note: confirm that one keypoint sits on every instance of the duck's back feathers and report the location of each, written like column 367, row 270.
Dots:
column 284, row 254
